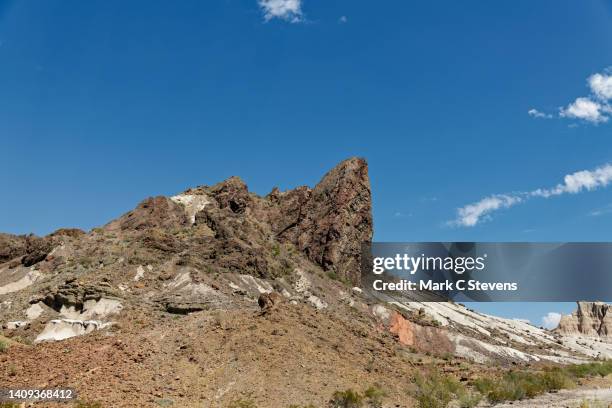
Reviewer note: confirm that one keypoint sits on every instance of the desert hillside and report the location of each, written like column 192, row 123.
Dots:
column 218, row 297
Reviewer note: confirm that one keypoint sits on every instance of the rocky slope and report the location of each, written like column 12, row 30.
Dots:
column 189, row 298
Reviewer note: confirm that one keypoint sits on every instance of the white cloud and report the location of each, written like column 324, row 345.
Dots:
column 586, row 109
column 594, row 108
column 343, row 19
column 289, row 10
column 537, row 114
column 472, row 214
column 574, row 183
column 551, row 320
column 577, row 182
column 601, row 86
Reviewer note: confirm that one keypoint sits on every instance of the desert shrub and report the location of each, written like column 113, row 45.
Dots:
column 374, row 396
column 371, row 398
column 469, row 399
column 602, row 369
column 517, row 385
column 3, row 346
column 436, row 390
column 347, row 399
column 242, row 403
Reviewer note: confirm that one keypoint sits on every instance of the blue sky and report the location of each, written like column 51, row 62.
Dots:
column 107, row 102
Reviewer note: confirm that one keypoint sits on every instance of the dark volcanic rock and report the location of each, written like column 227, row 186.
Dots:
column 11, row 247
column 160, row 212
column 68, row 232
column 330, row 223
column 30, row 248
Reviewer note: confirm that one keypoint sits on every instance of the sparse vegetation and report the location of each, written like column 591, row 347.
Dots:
column 371, row 398
column 592, row 404
column 347, row 399
column 242, row 403
column 601, row 369
column 3, row 346
column 332, row 275
column 374, row 395
column 437, row 391
column 517, row 385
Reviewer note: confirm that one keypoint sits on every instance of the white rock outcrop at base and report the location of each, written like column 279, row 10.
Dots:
column 62, row 329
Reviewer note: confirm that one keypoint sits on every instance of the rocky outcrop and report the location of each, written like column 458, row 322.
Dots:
column 269, row 301
column 593, row 319
column 154, row 212
column 330, row 223
column 11, row 246
column 29, row 248
column 242, row 232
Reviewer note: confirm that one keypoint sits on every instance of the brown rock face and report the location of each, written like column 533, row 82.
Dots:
column 160, row 212
column 11, row 246
column 592, row 319
column 30, row 248
column 331, row 222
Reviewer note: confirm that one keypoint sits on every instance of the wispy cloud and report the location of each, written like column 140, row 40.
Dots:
column 288, row 10
column 537, row 114
column 343, row 19
column 574, row 183
column 551, row 320
column 474, row 213
column 601, row 211
column 594, row 108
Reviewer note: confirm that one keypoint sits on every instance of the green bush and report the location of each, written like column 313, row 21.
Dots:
column 591, row 369
column 436, row 391
column 518, row 385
